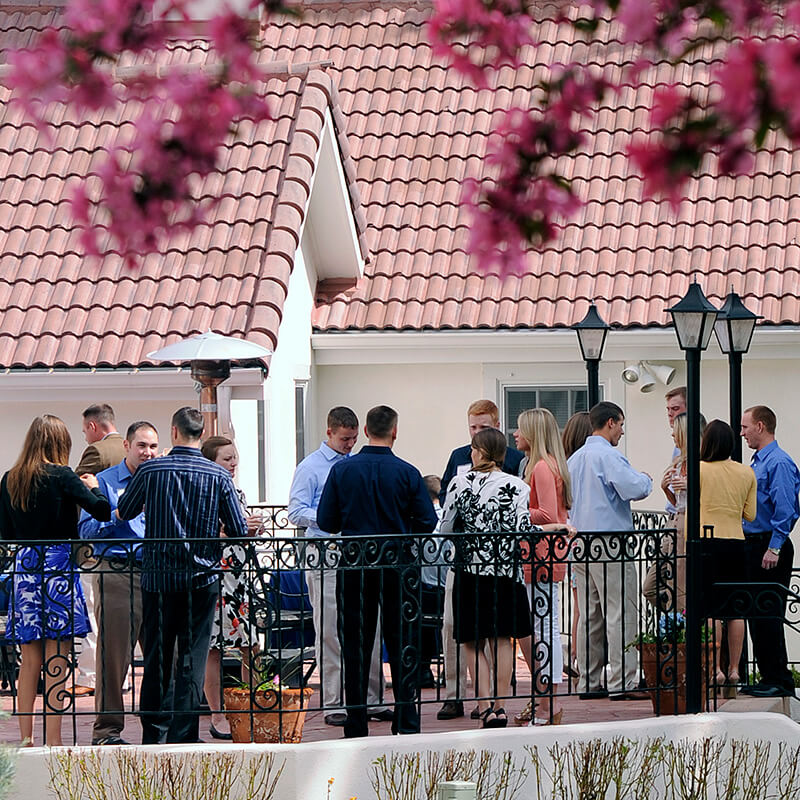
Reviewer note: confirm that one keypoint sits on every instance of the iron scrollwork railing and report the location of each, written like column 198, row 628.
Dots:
column 275, row 566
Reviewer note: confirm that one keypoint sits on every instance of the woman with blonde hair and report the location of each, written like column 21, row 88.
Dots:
column 39, row 499
column 550, row 498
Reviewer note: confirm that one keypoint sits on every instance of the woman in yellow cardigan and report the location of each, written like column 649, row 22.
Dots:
column 727, row 493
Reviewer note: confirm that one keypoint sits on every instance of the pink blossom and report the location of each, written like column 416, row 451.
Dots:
column 668, row 103
column 654, row 160
column 478, row 35
column 738, row 78
column 782, row 62
column 231, row 35
column 640, row 20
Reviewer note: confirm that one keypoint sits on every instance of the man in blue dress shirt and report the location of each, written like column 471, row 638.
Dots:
column 376, row 494
column 117, row 584
column 185, row 497
column 768, row 548
column 307, row 484
column 603, row 486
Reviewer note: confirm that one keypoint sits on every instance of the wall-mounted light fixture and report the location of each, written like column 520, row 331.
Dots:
column 646, row 374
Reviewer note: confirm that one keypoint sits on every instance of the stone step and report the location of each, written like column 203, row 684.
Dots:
column 788, row 706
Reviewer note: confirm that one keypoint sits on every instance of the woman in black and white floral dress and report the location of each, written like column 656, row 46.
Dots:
column 231, row 624
column 490, row 605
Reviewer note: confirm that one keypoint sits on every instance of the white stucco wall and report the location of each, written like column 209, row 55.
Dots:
column 134, row 396
column 308, row 767
column 430, row 399
column 290, row 363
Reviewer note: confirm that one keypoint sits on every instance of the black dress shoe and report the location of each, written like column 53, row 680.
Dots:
column 771, row 691
column 387, row 715
column 337, row 719
column 426, row 679
column 451, row 709
column 633, row 694
column 594, row 694
column 475, row 713
column 215, row 734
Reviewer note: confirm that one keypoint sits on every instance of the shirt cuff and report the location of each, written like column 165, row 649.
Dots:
column 777, row 540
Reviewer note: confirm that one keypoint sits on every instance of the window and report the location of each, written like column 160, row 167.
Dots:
column 563, row 401
column 300, row 421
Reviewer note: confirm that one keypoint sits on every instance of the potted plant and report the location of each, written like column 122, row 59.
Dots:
column 269, row 710
column 663, row 655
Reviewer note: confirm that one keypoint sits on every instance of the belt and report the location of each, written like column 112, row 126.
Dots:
column 121, row 563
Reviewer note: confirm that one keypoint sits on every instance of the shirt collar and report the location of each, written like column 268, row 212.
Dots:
column 186, row 450
column 761, row 454
column 378, row 449
column 123, row 473
column 329, row 453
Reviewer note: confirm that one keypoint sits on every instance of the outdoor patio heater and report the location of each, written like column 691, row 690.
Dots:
column 210, row 355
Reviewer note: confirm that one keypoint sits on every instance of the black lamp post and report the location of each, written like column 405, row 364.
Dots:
column 693, row 317
column 592, row 331
column 734, row 331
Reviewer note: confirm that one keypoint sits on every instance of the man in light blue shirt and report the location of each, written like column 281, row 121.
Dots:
column 117, row 584
column 307, row 485
column 603, row 486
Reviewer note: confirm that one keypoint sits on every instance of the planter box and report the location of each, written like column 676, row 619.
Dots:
column 267, row 715
column 664, row 668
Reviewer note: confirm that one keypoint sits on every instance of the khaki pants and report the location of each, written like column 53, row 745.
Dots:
column 455, row 665
column 118, row 613
column 321, row 583
column 608, row 608
column 654, row 585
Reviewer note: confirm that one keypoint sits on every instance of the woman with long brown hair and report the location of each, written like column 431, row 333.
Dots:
column 39, row 499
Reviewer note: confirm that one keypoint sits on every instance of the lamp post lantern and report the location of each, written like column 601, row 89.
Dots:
column 734, row 331
column 592, row 331
column 693, row 317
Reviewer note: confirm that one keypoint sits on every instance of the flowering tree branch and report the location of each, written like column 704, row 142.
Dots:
column 757, row 90
column 144, row 187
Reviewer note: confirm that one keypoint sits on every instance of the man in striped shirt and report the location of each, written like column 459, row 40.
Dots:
column 185, row 497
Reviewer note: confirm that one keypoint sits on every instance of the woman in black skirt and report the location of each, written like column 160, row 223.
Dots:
column 490, row 606
column 727, row 493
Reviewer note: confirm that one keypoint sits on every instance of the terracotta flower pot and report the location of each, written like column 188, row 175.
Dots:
column 272, row 716
column 664, row 668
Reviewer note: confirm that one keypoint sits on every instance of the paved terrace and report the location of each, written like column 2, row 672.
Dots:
column 575, row 711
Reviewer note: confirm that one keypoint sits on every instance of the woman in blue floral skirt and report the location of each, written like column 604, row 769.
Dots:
column 39, row 499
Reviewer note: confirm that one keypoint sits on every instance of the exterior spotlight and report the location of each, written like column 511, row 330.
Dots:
column 630, row 374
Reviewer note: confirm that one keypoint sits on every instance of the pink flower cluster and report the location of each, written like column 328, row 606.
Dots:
column 518, row 208
column 757, row 89
column 478, row 35
column 144, row 188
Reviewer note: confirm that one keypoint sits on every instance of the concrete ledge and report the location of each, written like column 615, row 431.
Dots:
column 309, row 766
column 788, row 706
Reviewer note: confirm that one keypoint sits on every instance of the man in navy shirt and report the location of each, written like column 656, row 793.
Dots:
column 768, row 548
column 481, row 414
column 185, row 497
column 376, row 494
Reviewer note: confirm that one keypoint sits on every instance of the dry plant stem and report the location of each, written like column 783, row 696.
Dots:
column 409, row 776
column 787, row 772
column 131, row 775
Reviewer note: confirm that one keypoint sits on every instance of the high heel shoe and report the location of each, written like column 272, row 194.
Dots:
column 538, row 722
column 491, row 718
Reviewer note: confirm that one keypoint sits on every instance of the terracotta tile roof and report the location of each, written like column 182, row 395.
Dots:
column 230, row 275
column 416, row 130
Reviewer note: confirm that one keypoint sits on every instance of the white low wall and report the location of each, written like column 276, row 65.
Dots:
column 308, row 767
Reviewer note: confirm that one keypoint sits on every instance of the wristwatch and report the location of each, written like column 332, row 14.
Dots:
column 776, row 551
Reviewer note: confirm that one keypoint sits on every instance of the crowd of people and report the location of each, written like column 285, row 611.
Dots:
column 518, row 508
